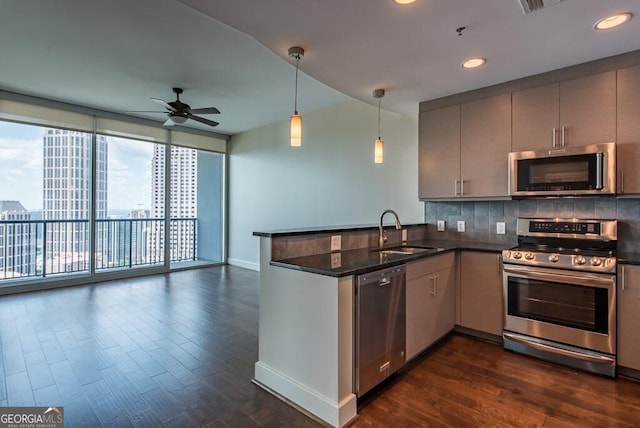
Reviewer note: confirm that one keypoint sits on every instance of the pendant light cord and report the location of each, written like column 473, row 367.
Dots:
column 379, row 102
column 295, row 102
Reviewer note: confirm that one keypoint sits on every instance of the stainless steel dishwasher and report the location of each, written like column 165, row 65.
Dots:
column 380, row 337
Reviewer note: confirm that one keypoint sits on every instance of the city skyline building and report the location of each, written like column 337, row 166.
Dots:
column 18, row 241
column 183, row 200
column 67, row 172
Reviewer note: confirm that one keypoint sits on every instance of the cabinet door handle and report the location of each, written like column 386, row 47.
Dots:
column 461, row 187
column 499, row 264
column 455, row 187
column 553, row 138
column 622, row 268
column 437, row 283
column 622, row 181
column 562, row 138
column 433, row 291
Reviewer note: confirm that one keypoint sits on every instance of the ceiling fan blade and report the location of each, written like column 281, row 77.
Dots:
column 145, row 111
column 168, row 122
column 206, row 110
column 164, row 104
column 203, row 120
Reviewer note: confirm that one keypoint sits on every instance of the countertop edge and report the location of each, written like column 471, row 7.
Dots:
column 463, row 246
column 324, row 229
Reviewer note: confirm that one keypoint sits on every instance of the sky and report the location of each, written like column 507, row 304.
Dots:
column 128, row 170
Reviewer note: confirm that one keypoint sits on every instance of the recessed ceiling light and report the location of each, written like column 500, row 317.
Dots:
column 404, row 2
column 474, row 62
column 612, row 21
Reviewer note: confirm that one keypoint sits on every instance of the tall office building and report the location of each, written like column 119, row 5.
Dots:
column 18, row 246
column 67, row 196
column 183, row 200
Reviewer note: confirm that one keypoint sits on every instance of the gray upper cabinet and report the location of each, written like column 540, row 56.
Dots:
column 574, row 112
column 463, row 149
column 629, row 130
column 485, row 141
column 535, row 116
column 439, row 152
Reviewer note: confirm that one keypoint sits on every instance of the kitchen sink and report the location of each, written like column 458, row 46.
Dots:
column 407, row 249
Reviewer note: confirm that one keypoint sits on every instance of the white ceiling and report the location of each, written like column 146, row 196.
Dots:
column 116, row 54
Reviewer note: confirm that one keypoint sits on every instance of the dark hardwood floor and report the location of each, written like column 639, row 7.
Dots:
column 179, row 349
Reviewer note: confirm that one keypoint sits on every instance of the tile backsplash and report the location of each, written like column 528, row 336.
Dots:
column 480, row 217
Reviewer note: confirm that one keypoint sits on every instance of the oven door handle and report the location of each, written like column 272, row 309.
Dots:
column 601, row 359
column 586, row 280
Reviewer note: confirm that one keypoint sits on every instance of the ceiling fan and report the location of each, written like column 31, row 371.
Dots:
column 179, row 112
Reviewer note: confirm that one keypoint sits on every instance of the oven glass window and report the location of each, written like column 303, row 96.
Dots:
column 585, row 308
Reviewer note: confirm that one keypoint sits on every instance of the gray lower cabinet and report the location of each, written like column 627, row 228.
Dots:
column 481, row 301
column 431, row 301
column 629, row 316
column 629, row 130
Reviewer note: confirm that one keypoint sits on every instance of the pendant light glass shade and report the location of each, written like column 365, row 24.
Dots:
column 378, row 148
column 296, row 130
column 378, row 151
column 295, row 126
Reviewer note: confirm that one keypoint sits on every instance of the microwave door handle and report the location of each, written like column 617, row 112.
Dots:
column 599, row 162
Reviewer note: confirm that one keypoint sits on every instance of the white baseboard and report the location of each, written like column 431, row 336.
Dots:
column 333, row 413
column 244, row 264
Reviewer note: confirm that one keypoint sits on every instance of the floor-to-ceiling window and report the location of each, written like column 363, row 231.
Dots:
column 84, row 195
column 44, row 201
column 196, row 215
column 129, row 226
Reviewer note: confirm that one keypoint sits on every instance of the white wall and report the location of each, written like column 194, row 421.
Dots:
column 331, row 180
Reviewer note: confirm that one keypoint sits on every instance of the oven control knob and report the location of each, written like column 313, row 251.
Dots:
column 553, row 258
column 529, row 256
column 596, row 261
column 580, row 260
column 517, row 255
column 506, row 254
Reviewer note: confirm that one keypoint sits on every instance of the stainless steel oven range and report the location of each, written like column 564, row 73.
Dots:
column 559, row 288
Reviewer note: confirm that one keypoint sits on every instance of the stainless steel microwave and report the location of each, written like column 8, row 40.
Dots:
column 567, row 171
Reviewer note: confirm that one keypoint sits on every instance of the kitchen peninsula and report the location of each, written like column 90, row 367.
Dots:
column 307, row 312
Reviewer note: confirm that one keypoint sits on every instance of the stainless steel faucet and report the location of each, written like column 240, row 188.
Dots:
column 383, row 234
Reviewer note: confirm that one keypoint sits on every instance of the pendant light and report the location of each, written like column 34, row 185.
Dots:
column 296, row 53
column 378, row 149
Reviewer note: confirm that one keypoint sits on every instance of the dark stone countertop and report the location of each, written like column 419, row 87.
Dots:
column 363, row 260
column 628, row 258
column 325, row 229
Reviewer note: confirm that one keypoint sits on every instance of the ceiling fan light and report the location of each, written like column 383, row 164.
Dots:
column 296, row 130
column 178, row 120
